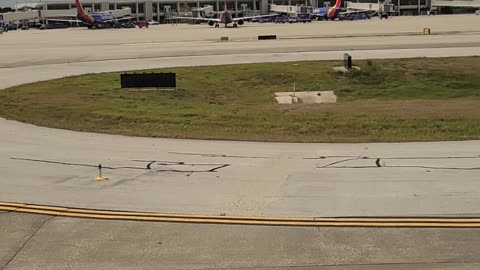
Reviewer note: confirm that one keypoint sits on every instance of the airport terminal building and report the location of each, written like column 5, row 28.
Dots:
column 161, row 9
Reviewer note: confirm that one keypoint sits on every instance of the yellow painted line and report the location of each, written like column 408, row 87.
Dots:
column 146, row 214
column 252, row 222
column 159, row 217
column 36, row 211
column 12, row 204
column 143, row 214
column 100, row 212
column 41, row 207
column 8, row 208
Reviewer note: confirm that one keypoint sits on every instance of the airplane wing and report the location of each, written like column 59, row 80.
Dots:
column 63, row 20
column 195, row 19
column 357, row 12
column 253, row 17
column 65, row 15
column 118, row 19
column 124, row 18
column 231, row 11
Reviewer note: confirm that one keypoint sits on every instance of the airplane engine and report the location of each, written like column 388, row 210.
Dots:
column 241, row 22
column 211, row 23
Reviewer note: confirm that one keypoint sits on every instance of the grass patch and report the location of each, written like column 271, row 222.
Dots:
column 387, row 100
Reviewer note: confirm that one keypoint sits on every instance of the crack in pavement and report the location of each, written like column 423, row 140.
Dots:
column 148, row 166
column 27, row 241
column 216, row 155
column 378, row 164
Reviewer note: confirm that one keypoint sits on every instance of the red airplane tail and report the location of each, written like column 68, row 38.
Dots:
column 88, row 19
column 338, row 4
column 331, row 13
column 80, row 9
column 225, row 6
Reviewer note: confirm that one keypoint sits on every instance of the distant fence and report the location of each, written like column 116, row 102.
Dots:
column 148, row 80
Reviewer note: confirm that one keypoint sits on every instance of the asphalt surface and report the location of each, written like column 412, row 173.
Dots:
column 48, row 166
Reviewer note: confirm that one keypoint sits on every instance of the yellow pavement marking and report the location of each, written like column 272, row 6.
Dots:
column 271, row 221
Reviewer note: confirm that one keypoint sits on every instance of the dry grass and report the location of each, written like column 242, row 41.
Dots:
column 389, row 100
column 404, row 109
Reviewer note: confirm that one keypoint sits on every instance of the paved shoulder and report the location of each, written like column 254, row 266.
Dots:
column 98, row 244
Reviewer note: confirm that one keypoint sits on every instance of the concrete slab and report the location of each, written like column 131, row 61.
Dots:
column 265, row 179
column 15, row 231
column 284, row 100
column 306, row 97
column 67, row 243
column 344, row 69
column 326, row 97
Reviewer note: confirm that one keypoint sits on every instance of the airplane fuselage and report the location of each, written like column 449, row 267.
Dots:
column 99, row 18
column 226, row 17
column 328, row 12
column 94, row 19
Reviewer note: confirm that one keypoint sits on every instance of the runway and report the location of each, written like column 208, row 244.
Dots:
column 81, row 45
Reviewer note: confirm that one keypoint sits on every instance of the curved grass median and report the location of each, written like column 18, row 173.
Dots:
column 388, row 100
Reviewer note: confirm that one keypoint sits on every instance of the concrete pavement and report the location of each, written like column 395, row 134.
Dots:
column 73, row 53
column 40, row 242
column 33, row 73
column 81, row 45
column 49, row 166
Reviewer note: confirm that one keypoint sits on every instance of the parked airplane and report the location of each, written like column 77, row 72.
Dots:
column 225, row 17
column 332, row 13
column 94, row 20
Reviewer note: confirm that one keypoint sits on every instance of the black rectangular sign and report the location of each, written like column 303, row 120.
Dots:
column 347, row 61
column 264, row 37
column 145, row 80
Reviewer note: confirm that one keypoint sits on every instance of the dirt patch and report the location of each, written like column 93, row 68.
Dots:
column 405, row 109
column 306, row 97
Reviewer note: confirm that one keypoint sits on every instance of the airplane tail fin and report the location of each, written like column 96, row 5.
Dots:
column 80, row 9
column 337, row 4
column 225, row 5
column 331, row 13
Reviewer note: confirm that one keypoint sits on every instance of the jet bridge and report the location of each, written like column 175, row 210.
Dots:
column 456, row 3
column 291, row 10
column 21, row 16
column 363, row 6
